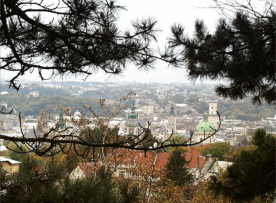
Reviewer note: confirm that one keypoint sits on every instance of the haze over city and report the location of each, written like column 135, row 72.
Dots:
column 96, row 105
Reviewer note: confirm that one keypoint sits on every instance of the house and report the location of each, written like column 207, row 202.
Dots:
column 9, row 165
column 134, row 164
column 128, row 165
column 43, row 127
column 125, row 165
column 204, row 167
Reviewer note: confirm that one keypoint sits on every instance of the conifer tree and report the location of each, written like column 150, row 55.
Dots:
column 79, row 37
column 36, row 182
column 175, row 169
column 252, row 173
column 241, row 51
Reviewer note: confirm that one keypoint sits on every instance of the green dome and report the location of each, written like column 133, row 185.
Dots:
column 205, row 125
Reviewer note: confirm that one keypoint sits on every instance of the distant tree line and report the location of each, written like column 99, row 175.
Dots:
column 33, row 105
column 234, row 110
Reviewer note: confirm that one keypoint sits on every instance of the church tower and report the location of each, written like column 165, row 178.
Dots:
column 42, row 122
column 172, row 120
column 213, row 117
column 61, row 123
column 132, row 122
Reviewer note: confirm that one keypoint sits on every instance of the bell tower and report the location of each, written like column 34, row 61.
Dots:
column 132, row 122
column 172, row 120
column 213, row 117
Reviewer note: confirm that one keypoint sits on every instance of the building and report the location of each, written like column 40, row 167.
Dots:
column 41, row 127
column 34, row 94
column 213, row 117
column 61, row 123
column 9, row 165
column 203, row 130
column 65, row 126
column 172, row 120
column 148, row 109
column 126, row 165
column 132, row 122
column 204, row 167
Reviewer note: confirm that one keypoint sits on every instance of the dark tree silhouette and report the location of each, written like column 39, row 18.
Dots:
column 241, row 51
column 175, row 169
column 71, row 38
column 252, row 173
column 47, row 182
column 77, row 37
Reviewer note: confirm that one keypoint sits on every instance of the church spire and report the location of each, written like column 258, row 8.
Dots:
column 60, row 122
column 205, row 117
column 172, row 111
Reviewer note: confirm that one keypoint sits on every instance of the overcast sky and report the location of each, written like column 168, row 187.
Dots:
column 166, row 13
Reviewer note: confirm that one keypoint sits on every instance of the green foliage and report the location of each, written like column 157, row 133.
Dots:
column 90, row 24
column 33, row 183
column 241, row 50
column 252, row 173
column 17, row 156
column 33, row 106
column 175, row 169
column 192, row 99
column 219, row 150
column 149, row 139
column 48, row 183
column 236, row 110
column 72, row 160
column 175, row 139
column 99, row 189
column 100, row 134
column 178, row 98
column 128, row 192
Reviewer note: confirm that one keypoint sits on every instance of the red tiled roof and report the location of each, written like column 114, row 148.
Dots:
column 139, row 157
column 162, row 160
column 194, row 159
column 134, row 157
column 88, row 168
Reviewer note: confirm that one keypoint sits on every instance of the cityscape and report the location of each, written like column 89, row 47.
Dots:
column 137, row 101
column 177, row 108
